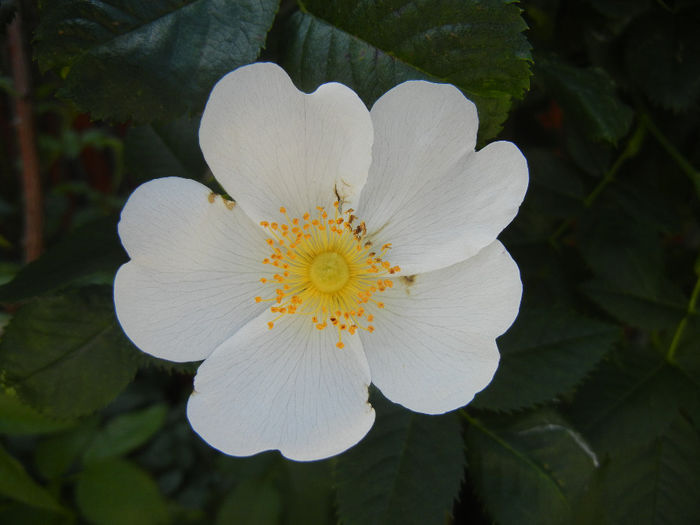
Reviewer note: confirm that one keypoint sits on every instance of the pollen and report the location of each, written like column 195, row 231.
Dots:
column 324, row 267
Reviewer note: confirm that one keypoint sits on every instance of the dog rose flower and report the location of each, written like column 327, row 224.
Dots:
column 361, row 247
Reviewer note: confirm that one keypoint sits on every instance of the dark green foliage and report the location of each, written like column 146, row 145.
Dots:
column 66, row 354
column 621, row 8
column 476, row 45
column 17, row 485
column 558, row 188
column 7, row 13
column 546, row 353
column 659, row 308
column 308, row 494
column 531, row 469
column 632, row 399
column 656, row 483
column 28, row 515
column 251, row 503
column 628, row 263
column 92, row 252
column 663, row 57
column 164, row 150
column 407, row 470
column 117, row 492
column 125, row 433
column 589, row 99
column 56, row 455
column 18, row 418
column 144, row 61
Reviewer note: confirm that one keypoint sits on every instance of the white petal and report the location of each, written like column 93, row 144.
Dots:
column 195, row 269
column 428, row 193
column 288, row 388
column 270, row 145
column 434, row 344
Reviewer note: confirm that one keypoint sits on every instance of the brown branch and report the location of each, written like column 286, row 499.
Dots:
column 26, row 138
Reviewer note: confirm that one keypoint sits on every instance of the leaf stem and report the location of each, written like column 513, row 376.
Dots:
column 671, row 354
column 634, row 144
column 683, row 163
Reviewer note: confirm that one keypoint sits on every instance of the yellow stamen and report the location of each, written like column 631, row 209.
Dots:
column 328, row 270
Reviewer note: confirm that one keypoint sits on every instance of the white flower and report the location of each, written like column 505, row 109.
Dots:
column 288, row 294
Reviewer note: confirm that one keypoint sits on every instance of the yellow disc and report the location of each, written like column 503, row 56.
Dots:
column 329, row 272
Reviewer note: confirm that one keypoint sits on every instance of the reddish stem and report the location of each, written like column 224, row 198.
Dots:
column 26, row 138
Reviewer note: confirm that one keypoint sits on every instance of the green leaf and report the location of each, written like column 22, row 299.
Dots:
column 643, row 204
column 126, row 433
column 372, row 46
column 555, row 194
column 66, row 355
column 17, row 485
column 556, row 188
column 656, row 310
column 116, row 492
column 128, row 59
column 308, row 496
column 91, row 250
column 251, row 502
column 407, row 470
column 175, row 449
column 663, row 57
column 627, row 259
column 657, row 484
column 7, row 269
column 617, row 248
column 529, row 470
column 588, row 97
column 621, row 8
column 55, row 455
column 16, row 418
column 547, row 352
column 164, row 150
column 594, row 157
column 25, row 515
column 633, row 399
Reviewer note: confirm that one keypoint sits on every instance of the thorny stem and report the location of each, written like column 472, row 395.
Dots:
column 634, row 144
column 26, row 138
column 670, row 355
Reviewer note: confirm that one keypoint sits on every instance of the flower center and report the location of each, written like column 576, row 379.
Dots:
column 325, row 268
column 329, row 272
